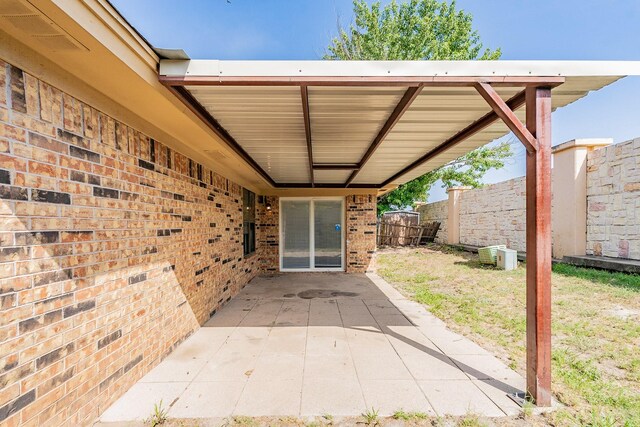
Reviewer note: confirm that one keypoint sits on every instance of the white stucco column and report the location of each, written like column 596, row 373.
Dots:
column 569, row 188
column 453, row 214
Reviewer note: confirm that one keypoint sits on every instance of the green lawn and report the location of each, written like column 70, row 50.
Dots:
column 596, row 326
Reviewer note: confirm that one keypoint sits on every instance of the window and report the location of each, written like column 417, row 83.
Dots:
column 249, row 221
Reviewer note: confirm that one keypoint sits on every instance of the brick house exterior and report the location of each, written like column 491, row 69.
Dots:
column 124, row 191
column 114, row 248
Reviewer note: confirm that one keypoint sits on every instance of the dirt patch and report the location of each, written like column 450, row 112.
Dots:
column 624, row 313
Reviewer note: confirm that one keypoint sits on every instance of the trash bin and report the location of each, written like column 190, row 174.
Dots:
column 507, row 259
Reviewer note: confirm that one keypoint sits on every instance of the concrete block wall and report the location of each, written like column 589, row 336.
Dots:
column 494, row 214
column 437, row 211
column 113, row 249
column 613, row 201
column 596, row 203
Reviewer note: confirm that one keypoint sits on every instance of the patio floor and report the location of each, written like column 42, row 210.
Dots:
column 308, row 344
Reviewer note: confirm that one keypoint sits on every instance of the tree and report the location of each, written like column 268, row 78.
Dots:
column 466, row 170
column 419, row 30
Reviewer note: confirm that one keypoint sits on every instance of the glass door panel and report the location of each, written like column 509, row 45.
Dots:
column 327, row 222
column 296, row 234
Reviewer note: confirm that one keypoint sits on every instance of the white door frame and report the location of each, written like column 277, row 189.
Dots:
column 312, row 234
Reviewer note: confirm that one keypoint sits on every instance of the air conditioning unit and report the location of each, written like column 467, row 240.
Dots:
column 507, row 259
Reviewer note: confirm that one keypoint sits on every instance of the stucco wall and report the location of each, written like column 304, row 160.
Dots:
column 613, row 200
column 436, row 211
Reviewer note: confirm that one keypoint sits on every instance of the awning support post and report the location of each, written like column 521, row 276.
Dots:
column 538, row 184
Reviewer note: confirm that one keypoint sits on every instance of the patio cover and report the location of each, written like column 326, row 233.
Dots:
column 367, row 124
column 376, row 125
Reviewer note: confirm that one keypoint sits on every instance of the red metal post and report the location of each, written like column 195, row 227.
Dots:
column 538, row 181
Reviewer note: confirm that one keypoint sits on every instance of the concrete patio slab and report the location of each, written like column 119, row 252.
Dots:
column 283, row 397
column 384, row 396
column 498, row 391
column 310, row 344
column 138, row 402
column 175, row 369
column 335, row 396
column 458, row 397
column 208, row 400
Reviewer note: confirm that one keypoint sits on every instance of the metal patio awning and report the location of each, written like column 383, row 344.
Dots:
column 367, row 124
column 379, row 124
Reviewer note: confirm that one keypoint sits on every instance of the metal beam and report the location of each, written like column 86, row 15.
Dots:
column 406, row 81
column 187, row 99
column 403, row 105
column 335, row 166
column 307, row 129
column 507, row 115
column 475, row 127
column 320, row 185
column 538, row 183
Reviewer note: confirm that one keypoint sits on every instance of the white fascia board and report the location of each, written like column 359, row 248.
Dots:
column 397, row 68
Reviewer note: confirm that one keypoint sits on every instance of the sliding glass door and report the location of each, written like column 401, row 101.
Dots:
column 311, row 234
column 327, row 233
column 295, row 229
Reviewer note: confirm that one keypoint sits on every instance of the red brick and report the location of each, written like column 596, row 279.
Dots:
column 12, row 163
column 77, row 259
column 50, row 104
column 9, row 393
column 47, row 143
column 12, row 132
column 72, row 114
column 3, row 83
column 32, row 96
column 33, row 124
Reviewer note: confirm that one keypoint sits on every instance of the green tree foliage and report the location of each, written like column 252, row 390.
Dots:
column 466, row 170
column 419, row 30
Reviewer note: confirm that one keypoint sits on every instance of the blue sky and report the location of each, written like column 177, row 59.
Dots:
column 523, row 29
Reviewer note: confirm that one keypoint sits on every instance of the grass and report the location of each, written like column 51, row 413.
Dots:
column 241, row 420
column 371, row 417
column 470, row 420
column 409, row 416
column 595, row 357
column 158, row 416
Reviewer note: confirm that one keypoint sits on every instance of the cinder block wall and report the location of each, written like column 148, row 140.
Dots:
column 490, row 215
column 113, row 249
column 613, row 200
column 495, row 214
column 435, row 212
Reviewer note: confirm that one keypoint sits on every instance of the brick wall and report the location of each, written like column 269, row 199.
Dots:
column 268, row 234
column 361, row 232
column 113, row 249
column 613, row 200
column 435, row 212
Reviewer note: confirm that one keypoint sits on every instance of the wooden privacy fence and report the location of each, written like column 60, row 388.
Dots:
column 397, row 234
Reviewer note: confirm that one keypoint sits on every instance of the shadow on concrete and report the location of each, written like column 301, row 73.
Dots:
column 344, row 290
